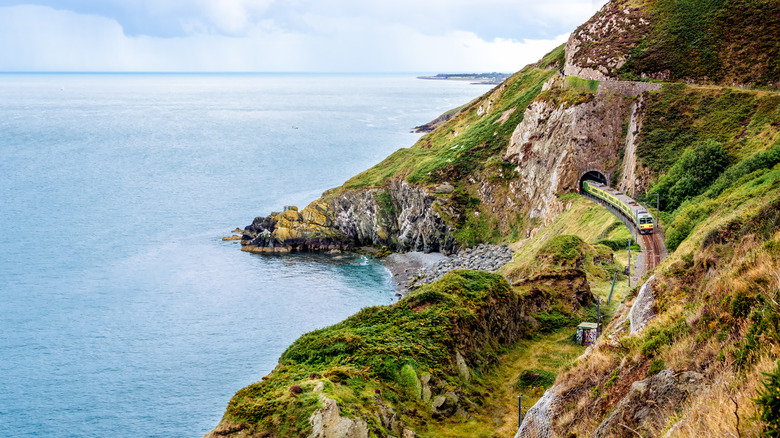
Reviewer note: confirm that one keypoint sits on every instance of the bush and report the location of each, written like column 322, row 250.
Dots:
column 619, row 244
column 759, row 161
column 535, row 377
column 691, row 175
column 768, row 402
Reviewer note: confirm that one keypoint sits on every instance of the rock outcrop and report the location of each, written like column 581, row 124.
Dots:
column 483, row 257
column 537, row 422
column 642, row 311
column 649, row 402
column 602, row 45
column 327, row 422
column 554, row 144
column 401, row 216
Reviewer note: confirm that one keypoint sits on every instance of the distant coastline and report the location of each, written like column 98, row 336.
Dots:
column 493, row 78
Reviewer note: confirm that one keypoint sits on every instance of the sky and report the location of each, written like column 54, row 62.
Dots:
column 284, row 35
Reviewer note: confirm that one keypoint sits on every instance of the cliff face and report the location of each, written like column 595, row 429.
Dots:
column 556, row 144
column 601, row 46
column 401, row 217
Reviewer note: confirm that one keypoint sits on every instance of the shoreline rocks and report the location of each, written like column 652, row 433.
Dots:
column 483, row 257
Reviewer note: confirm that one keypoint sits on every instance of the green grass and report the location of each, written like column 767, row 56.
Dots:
column 572, row 91
column 385, row 348
column 555, row 59
column 710, row 40
column 464, row 143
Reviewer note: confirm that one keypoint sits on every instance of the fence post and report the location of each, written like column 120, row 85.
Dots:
column 519, row 411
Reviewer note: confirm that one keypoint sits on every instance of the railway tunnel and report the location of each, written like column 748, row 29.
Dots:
column 652, row 245
column 593, row 175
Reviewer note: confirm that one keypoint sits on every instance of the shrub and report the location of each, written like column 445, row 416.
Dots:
column 691, row 175
column 535, row 377
column 656, row 367
column 768, row 402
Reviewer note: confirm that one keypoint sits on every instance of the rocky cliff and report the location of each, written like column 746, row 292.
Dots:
column 503, row 170
column 401, row 217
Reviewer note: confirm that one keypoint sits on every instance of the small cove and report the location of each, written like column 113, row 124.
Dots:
column 123, row 313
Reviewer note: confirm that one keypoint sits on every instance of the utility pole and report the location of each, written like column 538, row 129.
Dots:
column 614, row 278
column 598, row 317
column 657, row 224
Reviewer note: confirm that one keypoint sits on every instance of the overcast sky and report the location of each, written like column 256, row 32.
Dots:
column 284, row 35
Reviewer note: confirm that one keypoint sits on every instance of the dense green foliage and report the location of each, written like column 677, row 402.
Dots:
column 563, row 251
column 710, row 40
column 691, row 175
column 768, row 401
column 381, row 338
column 535, row 377
column 617, row 245
column 679, row 117
column 572, row 91
column 704, row 143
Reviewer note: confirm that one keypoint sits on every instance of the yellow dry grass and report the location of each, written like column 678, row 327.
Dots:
column 723, row 404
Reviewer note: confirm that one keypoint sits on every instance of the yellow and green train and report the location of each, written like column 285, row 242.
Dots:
column 629, row 207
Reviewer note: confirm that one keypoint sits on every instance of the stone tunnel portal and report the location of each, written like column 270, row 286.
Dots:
column 593, row 175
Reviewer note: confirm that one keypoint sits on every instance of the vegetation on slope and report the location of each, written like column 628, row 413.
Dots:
column 463, row 144
column 720, row 41
column 377, row 358
column 717, row 304
column 700, row 141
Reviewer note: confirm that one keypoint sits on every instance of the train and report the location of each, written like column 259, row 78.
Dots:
column 629, row 207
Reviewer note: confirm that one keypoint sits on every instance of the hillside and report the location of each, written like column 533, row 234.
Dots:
column 699, row 132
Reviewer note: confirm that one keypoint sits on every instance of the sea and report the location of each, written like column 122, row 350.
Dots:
column 122, row 312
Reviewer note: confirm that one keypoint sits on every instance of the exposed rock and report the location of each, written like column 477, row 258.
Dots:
column 649, row 402
column 463, row 369
column 444, row 189
column 628, row 181
column 404, row 266
column 537, row 422
column 445, row 405
column 552, row 146
column 327, row 422
column 400, row 217
column 642, row 311
column 600, row 46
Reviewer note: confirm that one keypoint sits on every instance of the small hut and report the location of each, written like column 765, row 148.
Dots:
column 587, row 332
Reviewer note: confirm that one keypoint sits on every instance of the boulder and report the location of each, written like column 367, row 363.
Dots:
column 445, row 405
column 649, row 402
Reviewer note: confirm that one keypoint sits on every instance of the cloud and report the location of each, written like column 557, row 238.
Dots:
column 275, row 35
column 487, row 18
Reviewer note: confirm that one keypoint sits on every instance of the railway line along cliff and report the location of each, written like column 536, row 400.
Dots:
column 662, row 99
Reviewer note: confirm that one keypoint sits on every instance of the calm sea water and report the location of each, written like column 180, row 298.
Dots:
column 122, row 313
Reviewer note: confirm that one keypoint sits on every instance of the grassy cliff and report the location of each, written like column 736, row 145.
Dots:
column 449, row 359
column 437, row 343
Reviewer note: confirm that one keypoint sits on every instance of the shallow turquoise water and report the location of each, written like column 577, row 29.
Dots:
column 122, row 313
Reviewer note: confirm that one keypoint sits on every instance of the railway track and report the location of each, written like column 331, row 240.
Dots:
column 653, row 248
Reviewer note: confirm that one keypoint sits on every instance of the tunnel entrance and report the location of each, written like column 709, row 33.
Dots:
column 593, row 175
